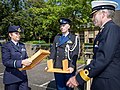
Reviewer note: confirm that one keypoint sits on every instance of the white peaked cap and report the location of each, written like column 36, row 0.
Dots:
column 100, row 3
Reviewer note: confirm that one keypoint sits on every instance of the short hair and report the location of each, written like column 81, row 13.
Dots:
column 111, row 13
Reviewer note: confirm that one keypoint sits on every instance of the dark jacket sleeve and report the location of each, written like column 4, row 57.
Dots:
column 53, row 50
column 105, row 54
column 7, row 60
column 75, row 54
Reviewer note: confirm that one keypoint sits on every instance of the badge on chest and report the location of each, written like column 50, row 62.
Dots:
column 23, row 49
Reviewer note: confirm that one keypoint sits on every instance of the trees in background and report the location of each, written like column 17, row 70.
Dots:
column 39, row 18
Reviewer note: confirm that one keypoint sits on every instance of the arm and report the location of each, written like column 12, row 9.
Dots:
column 9, row 62
column 104, row 56
column 6, row 58
column 75, row 53
column 53, row 50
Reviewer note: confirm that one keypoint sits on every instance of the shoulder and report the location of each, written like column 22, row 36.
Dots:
column 114, row 28
column 7, row 43
column 21, row 43
column 72, row 35
column 113, row 25
column 58, row 35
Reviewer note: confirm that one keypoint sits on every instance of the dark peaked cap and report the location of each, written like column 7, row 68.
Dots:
column 99, row 5
column 14, row 29
column 64, row 21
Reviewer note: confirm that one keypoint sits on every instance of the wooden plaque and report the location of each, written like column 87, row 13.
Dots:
column 51, row 69
column 36, row 59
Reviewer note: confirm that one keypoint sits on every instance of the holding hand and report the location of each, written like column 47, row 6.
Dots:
column 26, row 62
column 70, row 69
column 72, row 82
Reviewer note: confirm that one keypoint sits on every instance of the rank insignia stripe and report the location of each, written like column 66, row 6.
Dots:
column 84, row 74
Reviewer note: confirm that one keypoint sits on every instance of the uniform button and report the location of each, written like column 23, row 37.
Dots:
column 21, row 56
column 89, row 68
column 57, row 56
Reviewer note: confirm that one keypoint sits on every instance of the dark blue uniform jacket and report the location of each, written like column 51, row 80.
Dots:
column 105, row 66
column 58, row 50
column 11, row 58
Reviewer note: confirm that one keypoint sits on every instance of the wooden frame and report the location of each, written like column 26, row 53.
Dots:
column 36, row 59
column 51, row 69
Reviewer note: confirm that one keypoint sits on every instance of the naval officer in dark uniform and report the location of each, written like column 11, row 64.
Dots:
column 14, row 56
column 105, row 66
column 65, row 46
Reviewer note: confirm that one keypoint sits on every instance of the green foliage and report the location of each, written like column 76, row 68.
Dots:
column 81, row 61
column 36, row 42
column 39, row 18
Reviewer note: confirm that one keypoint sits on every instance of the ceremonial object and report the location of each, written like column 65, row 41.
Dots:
column 36, row 59
column 58, row 70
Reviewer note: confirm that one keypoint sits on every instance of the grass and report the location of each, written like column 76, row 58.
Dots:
column 81, row 61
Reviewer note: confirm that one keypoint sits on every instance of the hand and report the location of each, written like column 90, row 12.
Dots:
column 26, row 62
column 70, row 69
column 72, row 82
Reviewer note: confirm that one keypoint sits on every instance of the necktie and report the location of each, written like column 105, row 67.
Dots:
column 17, row 44
column 62, row 38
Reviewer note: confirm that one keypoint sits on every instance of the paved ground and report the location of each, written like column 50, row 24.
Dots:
column 38, row 78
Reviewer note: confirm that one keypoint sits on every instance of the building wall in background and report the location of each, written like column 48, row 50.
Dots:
column 117, row 17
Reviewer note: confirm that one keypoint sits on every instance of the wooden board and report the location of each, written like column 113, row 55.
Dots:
column 57, row 70
column 36, row 59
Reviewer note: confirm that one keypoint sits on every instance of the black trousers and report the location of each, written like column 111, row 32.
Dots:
column 61, row 80
column 17, row 86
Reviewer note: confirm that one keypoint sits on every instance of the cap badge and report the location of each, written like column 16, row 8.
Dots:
column 61, row 20
column 19, row 30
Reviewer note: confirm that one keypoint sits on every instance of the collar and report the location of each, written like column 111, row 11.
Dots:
column 105, row 23
column 14, row 42
column 65, row 34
